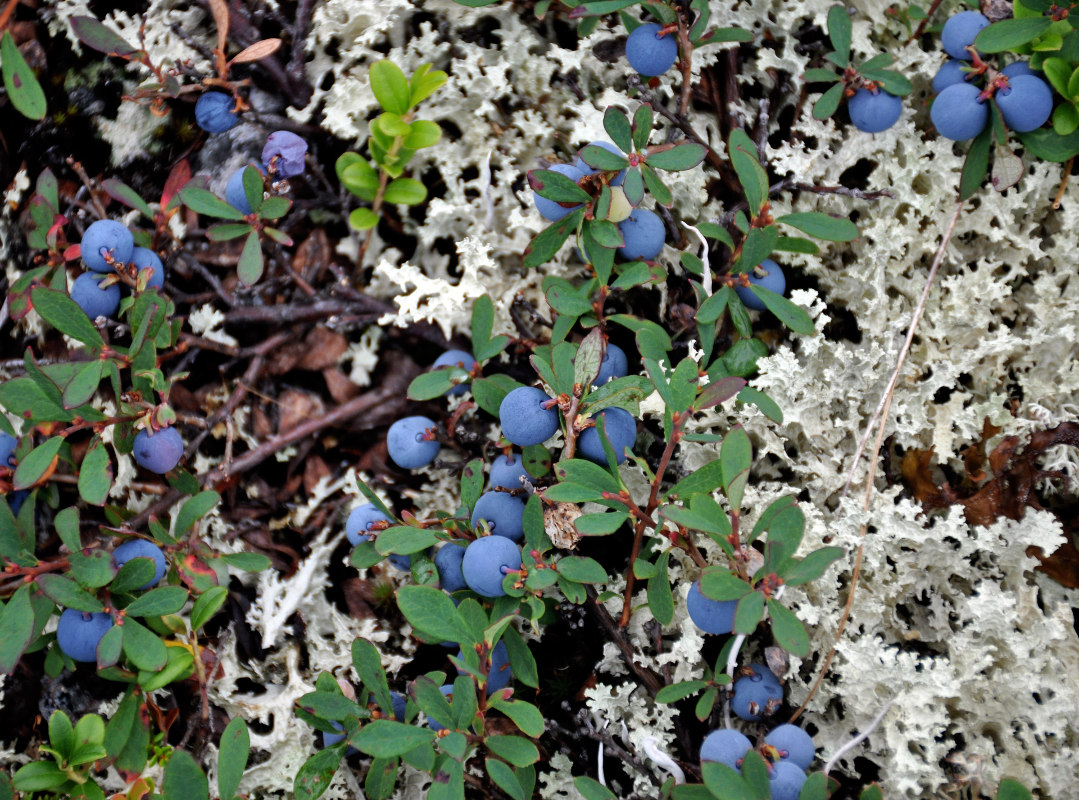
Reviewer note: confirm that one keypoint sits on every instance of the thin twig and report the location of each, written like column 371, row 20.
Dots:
column 857, row 740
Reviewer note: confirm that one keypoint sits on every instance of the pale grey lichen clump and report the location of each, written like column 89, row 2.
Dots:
column 950, row 621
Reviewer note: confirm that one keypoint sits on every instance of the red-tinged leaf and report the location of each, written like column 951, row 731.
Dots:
column 256, row 52
column 680, row 157
column 97, row 37
column 279, row 236
column 120, row 191
column 179, row 177
column 719, row 392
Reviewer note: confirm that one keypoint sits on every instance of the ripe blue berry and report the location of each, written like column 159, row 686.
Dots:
column 7, row 459
column 411, row 443
column 643, row 233
column 214, row 112
column 91, row 298
column 448, row 560
column 78, row 633
column 754, row 693
column 159, row 452
column 614, row 365
column 400, row 704
column 507, row 471
column 503, row 514
column 140, row 548
column 793, row 744
column 958, row 113
column 786, row 781
column 711, row 616
column 455, row 358
column 289, row 150
column 360, row 521
column 621, row 430
column 486, row 562
column 585, row 169
column 106, row 236
column 524, row 419
column 950, row 72
column 1026, row 104
column 1017, row 68
column 142, row 258
column 774, row 279
column 498, row 677
column 648, row 52
column 727, row 746
column 549, row 209
column 235, row 195
column 873, row 112
column 960, row 31
column 435, row 725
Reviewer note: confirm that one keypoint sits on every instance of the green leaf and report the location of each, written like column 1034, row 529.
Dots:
column 748, row 614
column 316, row 774
column 705, row 479
column 422, row 133
column 61, row 734
column 16, row 628
column 592, row 476
column 93, row 569
column 977, row 164
column 581, row 570
column 406, row 191
column 404, row 540
column 1065, row 119
column 550, row 240
column 618, row 128
column 556, row 186
column 605, row 234
column 368, row 665
column 601, row 524
column 120, row 191
column 20, row 82
column 1059, row 73
column 248, row 562
column 250, row 265
column 206, row 605
column 656, row 186
column 686, row 155
column 522, row 661
column 145, row 650
column 431, row 611
column 205, row 202
column 362, row 219
column 586, row 362
column 633, row 186
column 516, row 750
column 679, row 691
column 724, row 783
column 381, row 778
column 751, row 174
column 736, row 454
column 1008, row 34
column 828, row 102
column 80, row 390
column 602, row 159
column 767, row 405
column 591, row 789
column 65, row 592
column 385, row 738
column 812, row 566
column 1012, row 790
column 796, row 244
column 1044, row 144
column 64, row 314
column 232, row 757
column 194, row 509
column 39, row 776
column 660, row 598
column 642, row 127
column 358, row 176
column 757, row 246
column 822, row 226
column 794, row 317
column 820, row 76
column 390, row 87
column 524, row 715
column 839, row 30
column 184, row 778
column 788, row 630
column 158, row 602
column 95, row 474
column 719, row 583
column 503, row 777
column 97, row 37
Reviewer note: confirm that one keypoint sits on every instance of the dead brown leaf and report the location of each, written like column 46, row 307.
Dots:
column 295, row 407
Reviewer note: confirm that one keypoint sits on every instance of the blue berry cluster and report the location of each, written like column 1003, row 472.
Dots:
column 108, row 248
column 965, row 83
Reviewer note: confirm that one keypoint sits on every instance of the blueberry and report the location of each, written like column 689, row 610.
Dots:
column 8, row 444
column 289, row 150
column 486, row 562
column 711, row 616
column 214, row 112
column 106, row 235
column 950, row 72
column 435, row 725
column 727, row 746
column 448, row 563
column 958, row 113
column 648, row 52
column 235, row 195
column 621, row 430
column 774, row 279
column 411, row 444
column 159, row 452
column 507, row 471
column 753, row 693
column 91, row 298
column 498, row 677
column 549, row 209
column 614, row 365
column 643, row 233
column 786, row 781
column 330, row 739
column 793, row 744
column 400, row 704
column 360, row 521
column 524, row 419
column 455, row 358
column 78, row 633
column 140, row 548
column 1017, row 68
column 959, row 33
column 503, row 514
column 142, row 258
column 585, row 169
column 1026, row 104
column 873, row 112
